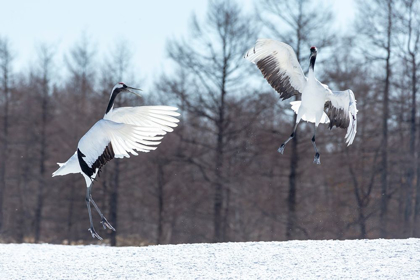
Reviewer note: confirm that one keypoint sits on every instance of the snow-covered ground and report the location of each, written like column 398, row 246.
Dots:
column 352, row 259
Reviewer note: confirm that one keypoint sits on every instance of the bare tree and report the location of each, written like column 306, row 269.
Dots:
column 213, row 59
column 6, row 59
column 43, row 86
column 411, row 35
column 377, row 26
column 346, row 71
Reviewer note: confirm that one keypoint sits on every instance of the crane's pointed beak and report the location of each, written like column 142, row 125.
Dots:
column 134, row 90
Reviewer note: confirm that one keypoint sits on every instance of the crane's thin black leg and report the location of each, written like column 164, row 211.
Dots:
column 104, row 221
column 91, row 229
column 316, row 159
column 281, row 149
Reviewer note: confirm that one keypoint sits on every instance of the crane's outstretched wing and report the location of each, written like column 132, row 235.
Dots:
column 107, row 140
column 279, row 65
column 340, row 107
column 152, row 116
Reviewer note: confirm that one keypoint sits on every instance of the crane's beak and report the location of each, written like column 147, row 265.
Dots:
column 134, row 90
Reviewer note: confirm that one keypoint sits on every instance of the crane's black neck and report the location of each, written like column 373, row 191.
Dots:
column 112, row 99
column 312, row 62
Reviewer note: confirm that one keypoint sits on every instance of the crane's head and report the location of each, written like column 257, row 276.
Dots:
column 121, row 87
column 117, row 89
column 314, row 51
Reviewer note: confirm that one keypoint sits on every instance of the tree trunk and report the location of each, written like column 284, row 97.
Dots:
column 294, row 159
column 408, row 227
column 70, row 214
column 113, row 203
column 5, row 136
column 4, row 154
column 160, row 182
column 218, row 192
column 362, row 223
column 361, row 205
column 416, row 221
column 291, row 198
column 385, row 115
column 219, row 234
column 42, row 159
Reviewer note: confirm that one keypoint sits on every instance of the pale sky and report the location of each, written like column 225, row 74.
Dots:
column 145, row 25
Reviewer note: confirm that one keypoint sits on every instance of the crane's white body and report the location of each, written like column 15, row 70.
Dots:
column 279, row 65
column 311, row 107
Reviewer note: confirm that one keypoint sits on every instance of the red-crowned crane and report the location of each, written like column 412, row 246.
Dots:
column 121, row 131
column 278, row 63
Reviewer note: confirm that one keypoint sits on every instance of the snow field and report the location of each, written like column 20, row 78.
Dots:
column 329, row 259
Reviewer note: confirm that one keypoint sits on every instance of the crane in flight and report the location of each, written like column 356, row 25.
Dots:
column 318, row 104
column 121, row 131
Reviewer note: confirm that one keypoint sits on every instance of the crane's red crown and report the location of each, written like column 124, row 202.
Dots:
column 313, row 48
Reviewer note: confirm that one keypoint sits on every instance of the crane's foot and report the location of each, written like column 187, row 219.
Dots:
column 94, row 233
column 106, row 224
column 281, row 149
column 316, row 159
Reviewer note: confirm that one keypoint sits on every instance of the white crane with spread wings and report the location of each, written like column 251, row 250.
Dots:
column 280, row 67
column 121, row 131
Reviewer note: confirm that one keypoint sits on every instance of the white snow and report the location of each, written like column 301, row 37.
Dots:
column 350, row 259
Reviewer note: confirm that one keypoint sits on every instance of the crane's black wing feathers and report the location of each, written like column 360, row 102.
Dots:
column 107, row 155
column 338, row 117
column 279, row 80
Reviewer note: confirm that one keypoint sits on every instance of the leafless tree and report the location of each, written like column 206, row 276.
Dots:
column 6, row 59
column 413, row 47
column 377, row 25
column 213, row 58
column 408, row 47
column 44, row 87
column 346, row 71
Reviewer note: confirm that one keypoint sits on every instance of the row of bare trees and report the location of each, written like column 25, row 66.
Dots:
column 218, row 177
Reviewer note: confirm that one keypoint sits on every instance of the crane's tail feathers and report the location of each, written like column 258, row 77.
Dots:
column 296, row 106
column 70, row 166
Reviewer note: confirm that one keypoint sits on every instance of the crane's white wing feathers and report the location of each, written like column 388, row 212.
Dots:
column 340, row 106
column 279, row 65
column 121, row 132
column 162, row 117
column 125, row 139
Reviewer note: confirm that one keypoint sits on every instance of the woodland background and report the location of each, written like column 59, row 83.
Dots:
column 219, row 176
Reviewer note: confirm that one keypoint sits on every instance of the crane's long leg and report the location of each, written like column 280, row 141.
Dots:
column 104, row 221
column 316, row 159
column 92, row 228
column 281, row 149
